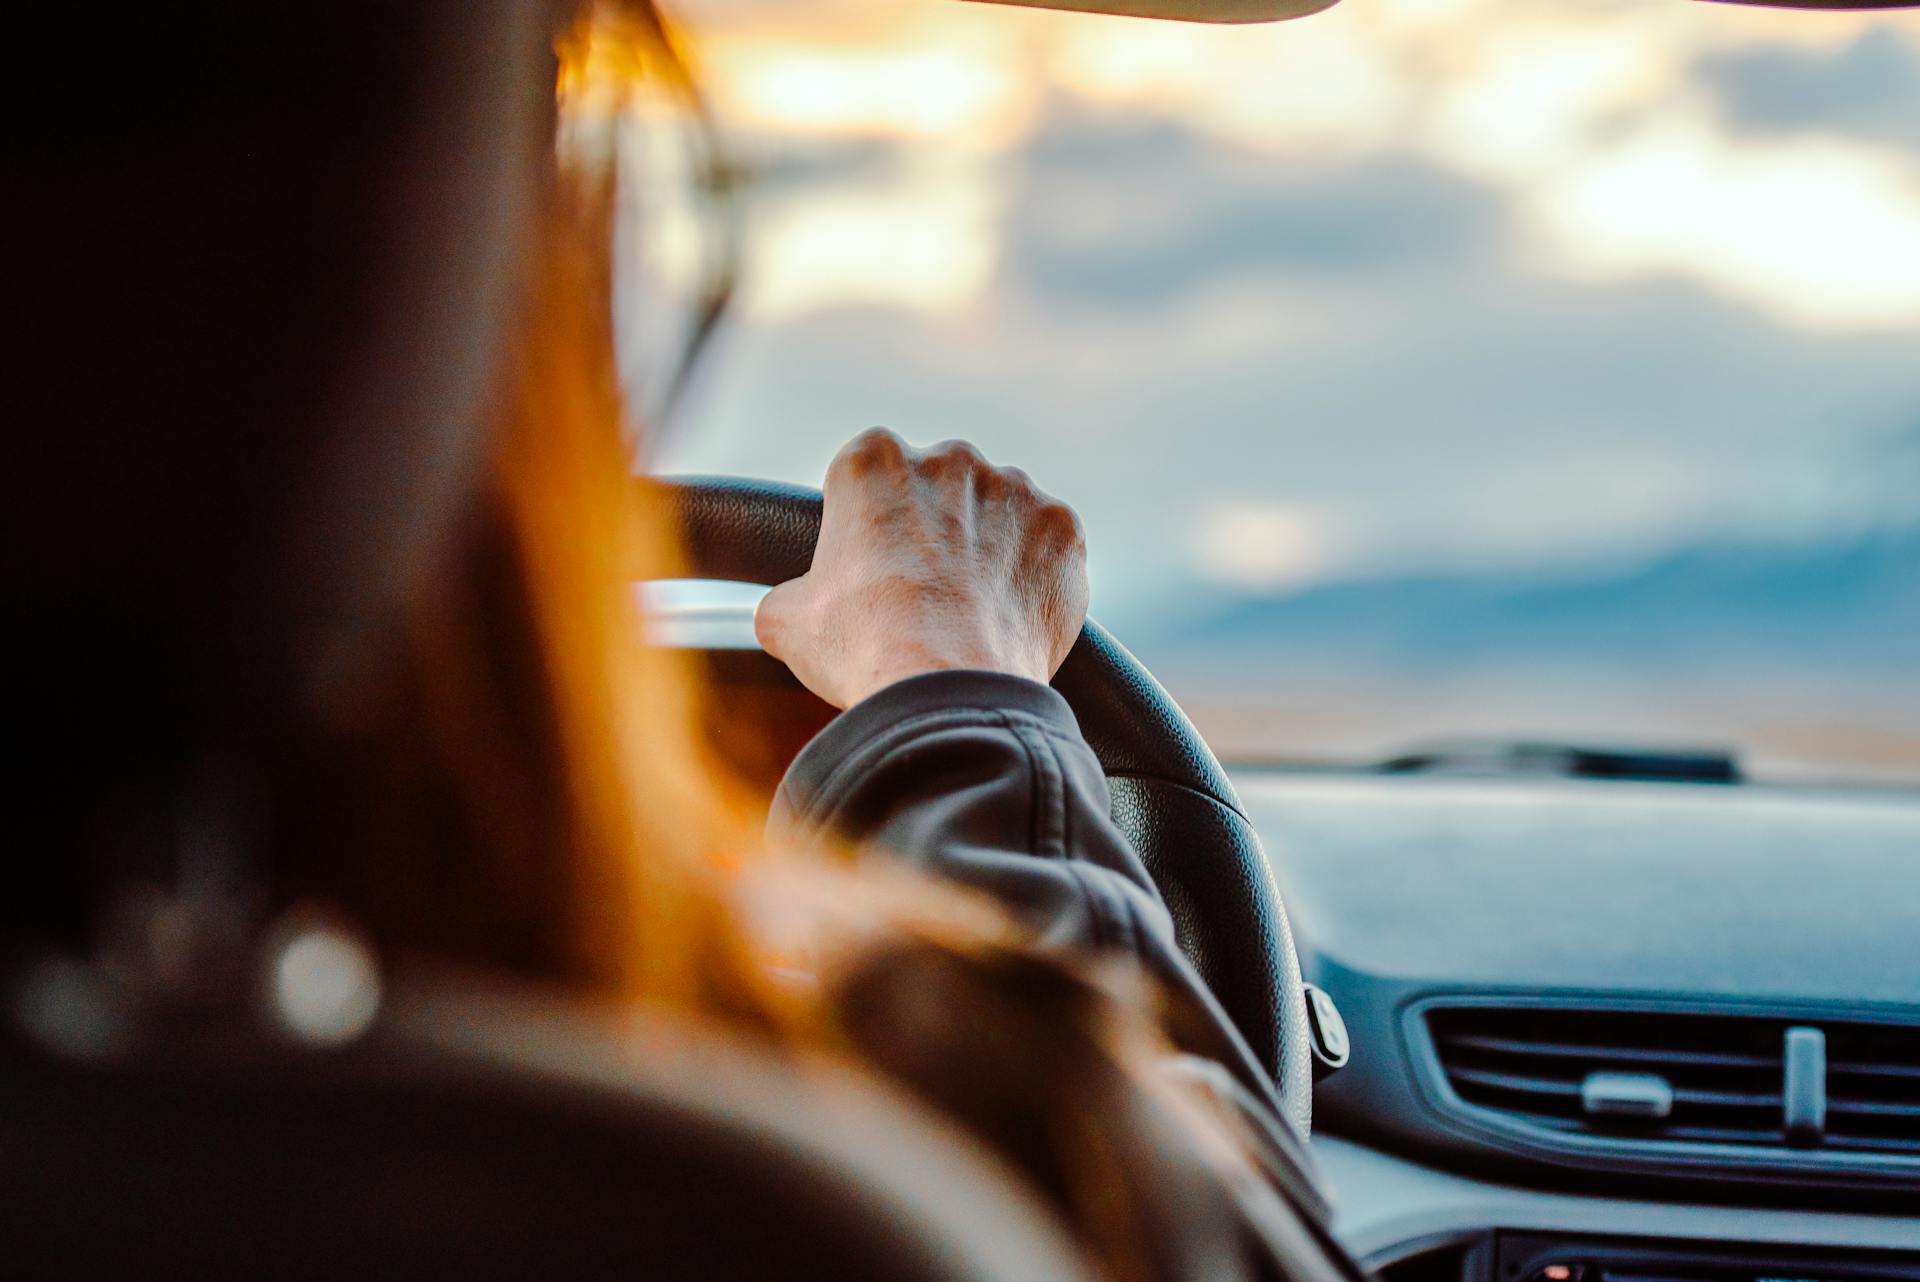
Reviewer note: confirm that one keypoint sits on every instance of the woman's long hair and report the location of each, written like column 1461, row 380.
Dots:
column 530, row 775
column 526, row 786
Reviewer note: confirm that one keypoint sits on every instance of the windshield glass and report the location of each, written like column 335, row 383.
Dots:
column 1424, row 368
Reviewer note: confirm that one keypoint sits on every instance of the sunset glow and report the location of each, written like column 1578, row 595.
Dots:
column 1570, row 112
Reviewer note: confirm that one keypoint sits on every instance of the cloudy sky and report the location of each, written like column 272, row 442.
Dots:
column 1411, row 287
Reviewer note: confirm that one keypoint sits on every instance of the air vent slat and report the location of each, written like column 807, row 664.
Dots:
column 1722, row 1135
column 1873, row 1144
column 1909, row 1072
column 1769, row 1100
column 1561, row 1088
column 1515, row 1082
column 1607, row 1054
column 1873, row 1107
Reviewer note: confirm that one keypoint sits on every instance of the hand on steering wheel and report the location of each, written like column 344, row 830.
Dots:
column 903, row 584
column 928, row 560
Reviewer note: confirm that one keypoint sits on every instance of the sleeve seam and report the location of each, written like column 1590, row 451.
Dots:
column 1035, row 793
column 1100, row 922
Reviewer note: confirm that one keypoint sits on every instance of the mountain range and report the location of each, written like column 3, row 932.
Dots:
column 1848, row 606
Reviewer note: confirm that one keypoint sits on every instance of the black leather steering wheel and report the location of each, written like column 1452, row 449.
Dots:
column 1170, row 796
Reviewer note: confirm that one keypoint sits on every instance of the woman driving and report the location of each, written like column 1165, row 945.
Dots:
column 322, row 555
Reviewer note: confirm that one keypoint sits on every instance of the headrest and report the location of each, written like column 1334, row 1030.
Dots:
column 472, row 1137
column 257, row 267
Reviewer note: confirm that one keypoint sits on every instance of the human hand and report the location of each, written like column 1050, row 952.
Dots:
column 928, row 560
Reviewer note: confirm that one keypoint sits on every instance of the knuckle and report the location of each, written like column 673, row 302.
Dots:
column 954, row 458
column 1019, row 485
column 873, row 449
column 1059, row 522
column 960, row 449
column 881, row 442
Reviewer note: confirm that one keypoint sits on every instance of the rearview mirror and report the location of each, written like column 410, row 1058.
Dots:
column 1275, row 10
column 1186, row 10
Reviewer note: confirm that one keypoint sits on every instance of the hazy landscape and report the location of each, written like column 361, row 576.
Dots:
column 1805, row 658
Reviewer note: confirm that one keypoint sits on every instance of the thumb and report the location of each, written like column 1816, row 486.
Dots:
column 773, row 617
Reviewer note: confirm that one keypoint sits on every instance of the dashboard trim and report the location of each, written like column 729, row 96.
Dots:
column 1387, row 1208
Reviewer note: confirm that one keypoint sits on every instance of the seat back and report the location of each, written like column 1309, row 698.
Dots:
column 478, row 1139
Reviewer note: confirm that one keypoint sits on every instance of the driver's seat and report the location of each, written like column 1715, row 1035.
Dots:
column 486, row 1138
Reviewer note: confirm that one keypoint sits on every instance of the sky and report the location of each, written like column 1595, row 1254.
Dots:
column 1411, row 290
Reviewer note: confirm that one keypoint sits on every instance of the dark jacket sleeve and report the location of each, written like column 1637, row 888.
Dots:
column 984, row 779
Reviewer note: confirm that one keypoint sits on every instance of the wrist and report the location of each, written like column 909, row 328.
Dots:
column 901, row 662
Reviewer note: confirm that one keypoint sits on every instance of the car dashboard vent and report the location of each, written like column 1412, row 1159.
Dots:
column 1873, row 1087
column 1779, row 1090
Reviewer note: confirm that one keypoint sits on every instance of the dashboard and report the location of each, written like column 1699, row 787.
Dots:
column 1602, row 1030
column 1609, row 1031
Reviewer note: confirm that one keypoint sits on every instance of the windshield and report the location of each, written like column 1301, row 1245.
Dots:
column 1426, row 368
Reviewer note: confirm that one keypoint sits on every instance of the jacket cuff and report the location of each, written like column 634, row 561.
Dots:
column 959, row 689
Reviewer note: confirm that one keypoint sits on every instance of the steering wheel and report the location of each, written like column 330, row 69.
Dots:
column 1170, row 796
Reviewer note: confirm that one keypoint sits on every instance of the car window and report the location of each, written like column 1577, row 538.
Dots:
column 1422, row 368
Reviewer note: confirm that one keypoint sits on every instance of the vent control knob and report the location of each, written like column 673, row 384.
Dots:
column 1805, row 1093
column 1646, row 1095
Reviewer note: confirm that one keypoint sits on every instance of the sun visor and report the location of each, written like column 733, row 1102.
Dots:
column 1186, row 10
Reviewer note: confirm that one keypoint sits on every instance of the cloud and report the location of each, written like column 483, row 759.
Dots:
column 1817, row 231
column 1191, row 216
column 913, row 237
column 1268, row 547
column 1868, row 88
column 1729, row 147
column 1451, row 366
column 956, row 81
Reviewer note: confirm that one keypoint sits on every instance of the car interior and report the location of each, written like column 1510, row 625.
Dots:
column 1563, row 1015
column 1550, row 1012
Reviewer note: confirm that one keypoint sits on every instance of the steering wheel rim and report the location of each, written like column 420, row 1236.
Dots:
column 1170, row 796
